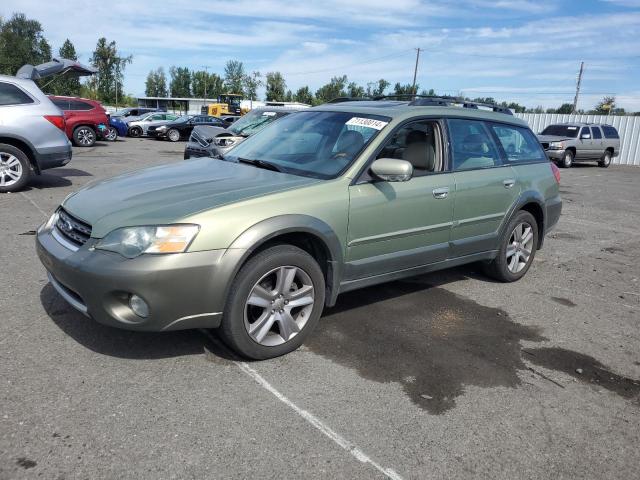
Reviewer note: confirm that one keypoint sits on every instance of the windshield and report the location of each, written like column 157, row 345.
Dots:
column 561, row 131
column 311, row 143
column 255, row 121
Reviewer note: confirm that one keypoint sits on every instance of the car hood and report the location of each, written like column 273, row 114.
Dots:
column 553, row 138
column 170, row 193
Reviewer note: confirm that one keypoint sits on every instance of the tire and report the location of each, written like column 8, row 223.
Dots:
column 135, row 132
column 567, row 159
column 503, row 267
column 15, row 168
column 112, row 134
column 259, row 279
column 173, row 135
column 84, row 136
column 605, row 161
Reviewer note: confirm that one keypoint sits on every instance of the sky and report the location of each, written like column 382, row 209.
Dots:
column 515, row 50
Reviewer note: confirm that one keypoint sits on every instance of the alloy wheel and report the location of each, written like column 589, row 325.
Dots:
column 85, row 136
column 112, row 135
column 520, row 247
column 10, row 169
column 174, row 135
column 279, row 306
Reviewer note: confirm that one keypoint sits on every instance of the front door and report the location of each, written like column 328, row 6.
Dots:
column 395, row 226
column 485, row 189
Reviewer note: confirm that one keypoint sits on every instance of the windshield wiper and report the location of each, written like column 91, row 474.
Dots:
column 260, row 164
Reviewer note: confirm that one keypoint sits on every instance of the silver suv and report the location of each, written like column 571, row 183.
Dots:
column 569, row 142
column 32, row 128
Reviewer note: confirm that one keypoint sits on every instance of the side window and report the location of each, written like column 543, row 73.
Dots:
column 595, row 132
column 61, row 104
column 471, row 145
column 12, row 95
column 518, row 143
column 610, row 132
column 419, row 143
column 157, row 117
column 78, row 105
column 585, row 131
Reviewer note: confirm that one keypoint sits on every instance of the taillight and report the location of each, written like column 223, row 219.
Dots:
column 556, row 171
column 57, row 120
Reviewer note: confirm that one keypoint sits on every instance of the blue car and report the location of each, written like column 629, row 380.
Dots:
column 117, row 128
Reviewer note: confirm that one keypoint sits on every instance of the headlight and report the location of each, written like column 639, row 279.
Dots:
column 556, row 145
column 51, row 222
column 131, row 242
column 162, row 128
column 225, row 141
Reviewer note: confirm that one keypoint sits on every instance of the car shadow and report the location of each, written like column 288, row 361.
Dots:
column 55, row 178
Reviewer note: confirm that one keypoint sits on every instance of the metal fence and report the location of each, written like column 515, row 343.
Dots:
column 628, row 128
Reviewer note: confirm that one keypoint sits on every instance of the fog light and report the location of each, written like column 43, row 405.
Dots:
column 139, row 306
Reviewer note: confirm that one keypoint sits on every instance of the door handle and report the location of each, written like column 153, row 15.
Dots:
column 508, row 183
column 441, row 192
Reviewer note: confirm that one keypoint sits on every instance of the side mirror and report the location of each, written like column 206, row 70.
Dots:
column 392, row 169
column 585, row 136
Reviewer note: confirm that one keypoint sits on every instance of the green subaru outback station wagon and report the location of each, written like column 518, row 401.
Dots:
column 328, row 200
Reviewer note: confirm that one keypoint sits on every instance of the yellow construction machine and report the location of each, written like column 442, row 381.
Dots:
column 228, row 104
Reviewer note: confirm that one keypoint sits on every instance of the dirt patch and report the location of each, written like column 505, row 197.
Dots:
column 563, row 301
column 25, row 463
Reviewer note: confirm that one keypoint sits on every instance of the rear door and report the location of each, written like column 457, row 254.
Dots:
column 485, row 187
column 584, row 148
column 596, row 141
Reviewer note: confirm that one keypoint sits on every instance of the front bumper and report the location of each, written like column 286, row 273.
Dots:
column 195, row 150
column 555, row 154
column 183, row 291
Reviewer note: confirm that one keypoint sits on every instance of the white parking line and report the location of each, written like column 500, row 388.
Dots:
column 317, row 423
column 34, row 204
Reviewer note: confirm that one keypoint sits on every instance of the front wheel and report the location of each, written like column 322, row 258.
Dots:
column 112, row 134
column 135, row 132
column 517, row 249
column 14, row 168
column 84, row 136
column 173, row 135
column 274, row 303
column 605, row 161
column 567, row 159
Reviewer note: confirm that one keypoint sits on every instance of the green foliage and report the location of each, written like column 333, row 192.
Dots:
column 376, row 89
column 276, row 87
column 234, row 76
column 406, row 89
column 334, row 89
column 21, row 42
column 304, row 95
column 180, row 86
column 107, row 83
column 605, row 106
column 206, row 85
column 355, row 91
column 251, row 83
column 67, row 84
column 156, row 83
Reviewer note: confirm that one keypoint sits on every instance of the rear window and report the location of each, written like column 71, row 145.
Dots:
column 78, row 105
column 61, row 104
column 610, row 132
column 12, row 95
column 561, row 131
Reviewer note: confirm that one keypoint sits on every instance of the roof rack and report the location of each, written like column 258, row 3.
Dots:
column 350, row 99
column 426, row 100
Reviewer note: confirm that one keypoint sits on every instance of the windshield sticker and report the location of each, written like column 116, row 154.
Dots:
column 367, row 122
column 269, row 114
column 572, row 128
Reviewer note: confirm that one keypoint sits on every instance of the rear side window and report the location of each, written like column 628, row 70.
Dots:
column 61, row 104
column 595, row 132
column 78, row 105
column 12, row 95
column 610, row 132
column 472, row 145
column 519, row 144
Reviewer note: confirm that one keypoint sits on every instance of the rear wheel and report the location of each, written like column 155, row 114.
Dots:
column 14, row 168
column 84, row 136
column 274, row 303
column 567, row 159
column 517, row 249
column 605, row 161
column 173, row 135
column 112, row 134
column 135, row 132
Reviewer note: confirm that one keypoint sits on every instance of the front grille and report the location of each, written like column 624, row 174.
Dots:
column 195, row 136
column 72, row 229
column 545, row 145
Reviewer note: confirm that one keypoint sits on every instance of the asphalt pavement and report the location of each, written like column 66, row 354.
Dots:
column 446, row 375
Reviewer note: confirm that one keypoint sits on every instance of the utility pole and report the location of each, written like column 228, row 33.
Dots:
column 206, row 77
column 575, row 99
column 117, row 78
column 415, row 71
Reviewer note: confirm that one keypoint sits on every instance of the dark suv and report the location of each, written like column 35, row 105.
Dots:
column 86, row 120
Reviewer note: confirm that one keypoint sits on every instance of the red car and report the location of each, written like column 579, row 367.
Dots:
column 86, row 119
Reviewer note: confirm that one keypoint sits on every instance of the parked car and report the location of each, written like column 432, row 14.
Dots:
column 117, row 128
column 182, row 127
column 125, row 113
column 210, row 141
column 331, row 199
column 566, row 143
column 86, row 120
column 138, row 127
column 32, row 133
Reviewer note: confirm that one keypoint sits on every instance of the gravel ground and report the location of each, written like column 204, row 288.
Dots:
column 447, row 375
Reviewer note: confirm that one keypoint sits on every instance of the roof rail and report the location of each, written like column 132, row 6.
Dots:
column 451, row 101
column 349, row 99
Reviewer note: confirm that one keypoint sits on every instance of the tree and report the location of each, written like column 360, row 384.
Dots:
column 289, row 96
column 180, row 85
column 156, row 83
column 21, row 42
column 67, row 84
column 606, row 106
column 407, row 89
column 376, row 89
column 304, row 95
column 234, row 76
column 251, row 84
column 355, row 91
column 431, row 92
column 276, row 87
column 107, row 83
column 565, row 108
column 334, row 89
column 206, row 85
